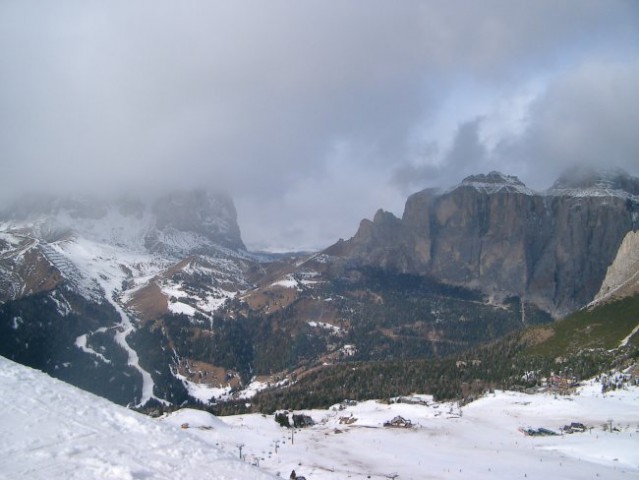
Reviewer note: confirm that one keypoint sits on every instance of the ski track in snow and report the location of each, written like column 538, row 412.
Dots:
column 99, row 265
column 81, row 343
column 122, row 331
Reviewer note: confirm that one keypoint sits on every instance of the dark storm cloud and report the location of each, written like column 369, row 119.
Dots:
column 312, row 114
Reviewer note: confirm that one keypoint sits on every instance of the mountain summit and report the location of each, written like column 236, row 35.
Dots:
column 494, row 182
column 493, row 233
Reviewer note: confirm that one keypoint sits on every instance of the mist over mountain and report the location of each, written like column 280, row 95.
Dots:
column 248, row 207
column 79, row 274
column 156, row 301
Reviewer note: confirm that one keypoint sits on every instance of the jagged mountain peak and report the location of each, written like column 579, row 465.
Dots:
column 382, row 216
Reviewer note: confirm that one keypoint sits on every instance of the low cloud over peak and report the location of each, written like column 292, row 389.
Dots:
column 311, row 114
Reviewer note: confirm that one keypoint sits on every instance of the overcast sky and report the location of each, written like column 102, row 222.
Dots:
column 312, row 114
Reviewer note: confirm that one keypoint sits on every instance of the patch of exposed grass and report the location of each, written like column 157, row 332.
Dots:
column 604, row 326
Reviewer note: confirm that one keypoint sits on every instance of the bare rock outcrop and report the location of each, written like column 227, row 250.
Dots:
column 622, row 277
column 493, row 233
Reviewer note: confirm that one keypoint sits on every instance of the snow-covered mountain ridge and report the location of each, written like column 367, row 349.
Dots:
column 495, row 182
column 208, row 218
column 580, row 182
column 98, row 260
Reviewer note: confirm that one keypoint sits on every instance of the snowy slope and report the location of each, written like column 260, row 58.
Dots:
column 112, row 256
column 51, row 430
column 484, row 442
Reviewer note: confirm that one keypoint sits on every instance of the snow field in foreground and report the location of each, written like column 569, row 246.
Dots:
column 52, row 430
column 483, row 443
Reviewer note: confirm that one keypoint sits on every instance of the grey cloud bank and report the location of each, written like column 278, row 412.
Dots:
column 312, row 114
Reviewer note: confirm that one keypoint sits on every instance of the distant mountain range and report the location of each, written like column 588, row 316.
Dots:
column 158, row 302
column 494, row 234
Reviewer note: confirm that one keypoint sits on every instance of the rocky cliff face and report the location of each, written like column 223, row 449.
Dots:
column 182, row 218
column 494, row 234
column 622, row 277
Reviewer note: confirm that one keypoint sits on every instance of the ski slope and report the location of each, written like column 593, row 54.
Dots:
column 51, row 430
column 481, row 441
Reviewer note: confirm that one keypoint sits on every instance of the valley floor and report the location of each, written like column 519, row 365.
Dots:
column 52, row 430
column 483, row 441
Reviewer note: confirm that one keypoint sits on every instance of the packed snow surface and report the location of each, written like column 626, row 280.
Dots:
column 202, row 391
column 482, row 440
column 50, row 430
